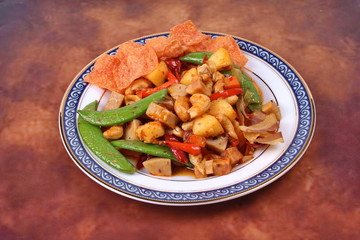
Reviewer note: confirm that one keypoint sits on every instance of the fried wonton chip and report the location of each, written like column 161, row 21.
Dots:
column 202, row 46
column 187, row 34
column 136, row 60
column 229, row 44
column 103, row 73
column 165, row 47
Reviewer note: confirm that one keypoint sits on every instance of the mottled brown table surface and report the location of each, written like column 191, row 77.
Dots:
column 44, row 195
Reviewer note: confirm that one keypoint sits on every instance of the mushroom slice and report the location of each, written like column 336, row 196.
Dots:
column 161, row 114
column 221, row 166
column 158, row 166
column 115, row 101
column 218, row 144
column 129, row 131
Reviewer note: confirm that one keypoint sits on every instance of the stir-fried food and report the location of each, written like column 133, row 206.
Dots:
column 181, row 101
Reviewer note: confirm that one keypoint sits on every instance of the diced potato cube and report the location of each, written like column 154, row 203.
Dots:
column 158, row 75
column 150, row 131
column 158, row 166
column 221, row 59
column 223, row 107
column 207, row 126
column 188, row 77
column 221, row 166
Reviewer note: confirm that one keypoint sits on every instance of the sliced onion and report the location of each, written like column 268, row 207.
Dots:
column 265, row 125
column 271, row 139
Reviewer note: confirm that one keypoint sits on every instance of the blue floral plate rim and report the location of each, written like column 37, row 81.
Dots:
column 305, row 130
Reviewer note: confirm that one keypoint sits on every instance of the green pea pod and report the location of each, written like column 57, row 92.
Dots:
column 100, row 146
column 124, row 114
column 148, row 148
column 195, row 57
column 251, row 95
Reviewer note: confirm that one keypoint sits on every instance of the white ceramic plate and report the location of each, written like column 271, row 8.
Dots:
column 278, row 80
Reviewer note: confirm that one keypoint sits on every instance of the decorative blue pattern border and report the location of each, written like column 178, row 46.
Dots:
column 293, row 153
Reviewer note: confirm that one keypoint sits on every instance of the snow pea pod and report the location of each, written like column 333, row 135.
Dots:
column 93, row 138
column 251, row 95
column 196, row 57
column 148, row 148
column 123, row 114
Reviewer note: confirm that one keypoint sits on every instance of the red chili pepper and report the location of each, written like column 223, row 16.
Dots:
column 234, row 142
column 143, row 157
column 197, row 140
column 148, row 91
column 186, row 147
column 226, row 93
column 205, row 152
column 174, row 65
column 171, row 78
column 231, row 82
column 178, row 153
column 247, row 149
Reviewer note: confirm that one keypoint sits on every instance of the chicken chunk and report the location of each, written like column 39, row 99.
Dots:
column 159, row 113
column 197, row 86
column 181, row 107
column 205, row 72
column 130, row 99
column 233, row 154
column 136, row 85
column 200, row 104
column 227, row 125
column 177, row 90
column 115, row 132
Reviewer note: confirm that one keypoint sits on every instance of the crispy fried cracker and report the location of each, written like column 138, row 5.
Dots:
column 136, row 60
column 165, row 47
column 187, row 34
column 102, row 74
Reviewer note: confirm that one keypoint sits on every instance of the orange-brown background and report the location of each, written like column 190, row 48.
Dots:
column 43, row 195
